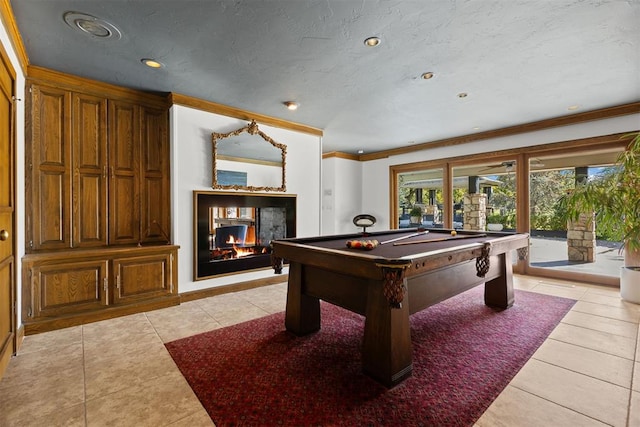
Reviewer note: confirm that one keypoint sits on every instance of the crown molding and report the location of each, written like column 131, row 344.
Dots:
column 9, row 22
column 225, row 110
column 72, row 82
column 340, row 155
column 572, row 119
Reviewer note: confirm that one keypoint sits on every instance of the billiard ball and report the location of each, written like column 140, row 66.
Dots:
column 454, row 232
column 362, row 244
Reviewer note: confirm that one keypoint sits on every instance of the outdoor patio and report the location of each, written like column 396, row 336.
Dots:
column 551, row 252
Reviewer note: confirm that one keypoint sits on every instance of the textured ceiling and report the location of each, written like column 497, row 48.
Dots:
column 518, row 61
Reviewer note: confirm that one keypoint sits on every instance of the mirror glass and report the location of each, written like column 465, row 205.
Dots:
column 248, row 159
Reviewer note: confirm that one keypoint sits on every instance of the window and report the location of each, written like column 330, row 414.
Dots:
column 420, row 198
column 580, row 247
column 522, row 190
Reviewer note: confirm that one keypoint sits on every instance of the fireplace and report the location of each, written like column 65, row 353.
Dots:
column 233, row 230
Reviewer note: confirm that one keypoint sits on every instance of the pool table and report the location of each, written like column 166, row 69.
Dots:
column 408, row 271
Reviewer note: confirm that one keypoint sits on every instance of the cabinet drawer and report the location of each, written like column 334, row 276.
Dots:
column 63, row 288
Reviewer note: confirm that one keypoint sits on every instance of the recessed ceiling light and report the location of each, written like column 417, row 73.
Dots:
column 573, row 107
column 92, row 26
column 360, row 151
column 426, row 76
column 291, row 105
column 463, row 95
column 151, row 63
column 372, row 41
column 476, row 128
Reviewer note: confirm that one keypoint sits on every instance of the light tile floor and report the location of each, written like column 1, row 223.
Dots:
column 118, row 372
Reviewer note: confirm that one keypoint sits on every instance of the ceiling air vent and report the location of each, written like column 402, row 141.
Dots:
column 92, row 26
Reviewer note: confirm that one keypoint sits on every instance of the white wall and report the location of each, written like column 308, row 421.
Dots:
column 342, row 196
column 19, row 235
column 375, row 173
column 191, row 163
column 328, row 196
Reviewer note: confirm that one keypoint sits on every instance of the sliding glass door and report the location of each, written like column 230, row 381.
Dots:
column 519, row 190
column 420, row 198
column 560, row 247
column 484, row 196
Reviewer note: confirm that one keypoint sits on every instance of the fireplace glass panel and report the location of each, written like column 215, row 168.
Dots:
column 234, row 230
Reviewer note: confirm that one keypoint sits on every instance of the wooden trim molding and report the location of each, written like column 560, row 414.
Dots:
column 6, row 14
column 94, row 87
column 6, row 63
column 521, row 155
column 66, row 321
column 587, row 116
column 340, row 155
column 597, row 279
column 19, row 337
column 235, row 287
column 225, row 110
column 595, row 142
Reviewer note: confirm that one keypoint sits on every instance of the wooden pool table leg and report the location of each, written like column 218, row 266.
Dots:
column 303, row 312
column 386, row 349
column 499, row 291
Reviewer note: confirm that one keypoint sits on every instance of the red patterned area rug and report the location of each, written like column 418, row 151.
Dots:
column 464, row 354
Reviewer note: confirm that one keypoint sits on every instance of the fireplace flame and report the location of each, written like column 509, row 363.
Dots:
column 239, row 248
column 241, row 252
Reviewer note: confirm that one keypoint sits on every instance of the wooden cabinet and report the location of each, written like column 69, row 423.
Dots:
column 61, row 287
column 49, row 167
column 139, row 174
column 142, row 277
column 98, row 171
column 155, row 173
column 97, row 184
column 89, row 165
column 72, row 287
column 124, row 194
column 67, row 166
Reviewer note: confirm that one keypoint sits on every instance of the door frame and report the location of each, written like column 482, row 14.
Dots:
column 12, row 120
column 522, row 156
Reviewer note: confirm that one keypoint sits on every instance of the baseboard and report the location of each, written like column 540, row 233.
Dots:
column 6, row 354
column 19, row 337
column 235, row 287
column 50, row 324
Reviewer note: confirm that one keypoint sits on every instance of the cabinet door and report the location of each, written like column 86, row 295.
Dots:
column 49, row 222
column 142, row 277
column 68, row 287
column 89, row 171
column 124, row 165
column 154, row 187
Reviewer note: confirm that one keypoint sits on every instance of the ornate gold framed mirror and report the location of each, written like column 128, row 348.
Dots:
column 248, row 159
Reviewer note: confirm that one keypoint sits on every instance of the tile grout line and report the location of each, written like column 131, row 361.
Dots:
column 154, row 327
column 601, row 331
column 84, row 377
column 633, row 369
column 589, row 348
column 582, row 373
column 598, row 315
column 635, row 322
column 557, row 404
